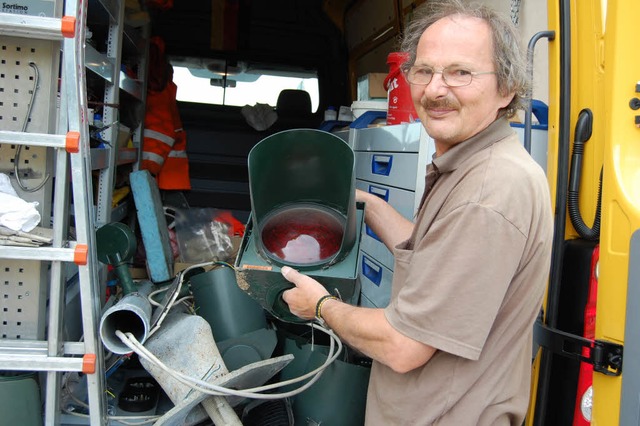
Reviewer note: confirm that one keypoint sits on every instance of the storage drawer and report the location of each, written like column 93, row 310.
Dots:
column 400, row 199
column 375, row 281
column 365, row 302
column 397, row 169
column 396, row 138
column 376, row 249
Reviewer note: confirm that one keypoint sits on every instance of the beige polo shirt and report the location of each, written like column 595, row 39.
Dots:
column 469, row 282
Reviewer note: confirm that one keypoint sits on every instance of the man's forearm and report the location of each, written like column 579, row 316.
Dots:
column 368, row 331
column 364, row 329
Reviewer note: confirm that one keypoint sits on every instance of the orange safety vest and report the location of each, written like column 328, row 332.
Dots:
column 164, row 149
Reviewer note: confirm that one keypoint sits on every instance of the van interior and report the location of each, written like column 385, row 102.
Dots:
column 228, row 55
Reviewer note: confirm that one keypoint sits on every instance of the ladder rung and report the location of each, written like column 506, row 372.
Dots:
column 37, row 347
column 33, row 362
column 40, row 27
column 76, row 254
column 70, row 141
column 33, row 139
column 32, row 355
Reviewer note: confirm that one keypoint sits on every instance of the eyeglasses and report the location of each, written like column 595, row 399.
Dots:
column 453, row 76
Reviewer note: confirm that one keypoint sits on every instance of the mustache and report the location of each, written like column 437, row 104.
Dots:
column 445, row 103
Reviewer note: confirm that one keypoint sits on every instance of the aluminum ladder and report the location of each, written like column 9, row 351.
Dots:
column 71, row 146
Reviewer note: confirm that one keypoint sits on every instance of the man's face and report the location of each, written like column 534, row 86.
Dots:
column 454, row 114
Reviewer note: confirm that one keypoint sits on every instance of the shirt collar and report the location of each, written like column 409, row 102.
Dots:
column 451, row 159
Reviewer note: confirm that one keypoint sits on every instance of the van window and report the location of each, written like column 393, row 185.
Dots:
column 241, row 89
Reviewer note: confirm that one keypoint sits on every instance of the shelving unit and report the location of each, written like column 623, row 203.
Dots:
column 116, row 46
column 45, row 144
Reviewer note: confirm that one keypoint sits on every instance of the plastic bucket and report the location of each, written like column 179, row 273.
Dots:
column 400, row 107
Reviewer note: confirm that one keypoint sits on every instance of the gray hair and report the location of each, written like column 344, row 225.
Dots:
column 508, row 57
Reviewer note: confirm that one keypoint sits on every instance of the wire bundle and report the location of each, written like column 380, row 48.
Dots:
column 335, row 348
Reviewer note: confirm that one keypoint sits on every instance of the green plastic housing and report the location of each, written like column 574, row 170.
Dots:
column 302, row 167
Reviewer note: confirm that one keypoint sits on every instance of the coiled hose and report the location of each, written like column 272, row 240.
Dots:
column 582, row 135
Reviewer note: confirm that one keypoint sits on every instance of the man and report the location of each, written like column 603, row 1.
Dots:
column 453, row 347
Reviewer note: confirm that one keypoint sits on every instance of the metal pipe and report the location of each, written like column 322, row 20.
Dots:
column 529, row 111
column 132, row 314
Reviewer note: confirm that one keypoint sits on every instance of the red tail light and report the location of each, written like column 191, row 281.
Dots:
column 584, row 395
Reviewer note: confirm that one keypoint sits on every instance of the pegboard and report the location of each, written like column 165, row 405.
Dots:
column 22, row 299
column 28, row 92
column 29, row 71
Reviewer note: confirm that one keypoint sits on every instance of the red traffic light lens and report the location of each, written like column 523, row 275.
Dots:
column 303, row 235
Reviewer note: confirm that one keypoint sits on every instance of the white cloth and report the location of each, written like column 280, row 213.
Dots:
column 16, row 213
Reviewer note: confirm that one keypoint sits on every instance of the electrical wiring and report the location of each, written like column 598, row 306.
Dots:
column 254, row 393
column 77, row 402
column 16, row 160
column 184, row 299
column 114, row 366
column 171, row 299
column 162, row 290
column 138, row 420
column 155, row 292
column 170, row 212
column 179, row 280
column 123, row 420
column 143, row 421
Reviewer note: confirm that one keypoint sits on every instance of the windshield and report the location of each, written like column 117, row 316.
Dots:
column 242, row 90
